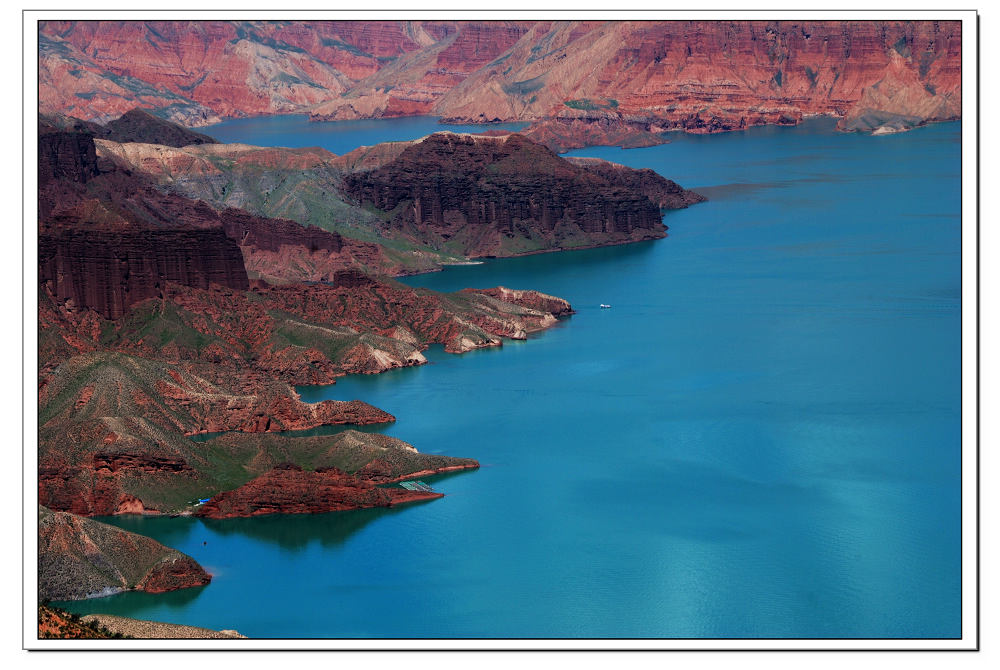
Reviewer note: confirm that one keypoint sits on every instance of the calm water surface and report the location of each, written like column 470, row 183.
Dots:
column 295, row 130
column 760, row 439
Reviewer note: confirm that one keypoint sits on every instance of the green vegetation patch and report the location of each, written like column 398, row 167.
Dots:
column 813, row 75
column 195, row 84
column 926, row 59
column 524, row 87
column 349, row 48
column 162, row 323
column 295, row 333
column 902, row 47
column 590, row 105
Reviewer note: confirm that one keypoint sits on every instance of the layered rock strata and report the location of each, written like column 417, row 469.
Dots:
column 289, row 489
column 103, row 217
column 116, row 397
column 505, row 196
column 601, row 76
column 150, row 330
column 497, row 195
column 108, row 271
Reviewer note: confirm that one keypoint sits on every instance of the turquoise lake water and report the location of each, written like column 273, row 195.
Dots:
column 295, row 130
column 760, row 439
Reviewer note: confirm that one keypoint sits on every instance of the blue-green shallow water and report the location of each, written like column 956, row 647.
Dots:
column 760, row 439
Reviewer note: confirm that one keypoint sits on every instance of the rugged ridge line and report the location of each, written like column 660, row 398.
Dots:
column 638, row 78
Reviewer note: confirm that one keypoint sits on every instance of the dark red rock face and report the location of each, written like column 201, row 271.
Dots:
column 665, row 193
column 491, row 188
column 61, row 488
column 66, row 156
column 352, row 278
column 110, row 238
column 140, row 126
column 112, row 462
column 259, row 233
column 108, row 271
column 288, row 489
column 94, row 488
column 179, row 573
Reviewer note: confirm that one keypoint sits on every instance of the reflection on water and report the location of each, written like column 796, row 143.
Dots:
column 136, row 601
column 295, row 532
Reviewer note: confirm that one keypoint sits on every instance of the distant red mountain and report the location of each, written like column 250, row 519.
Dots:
column 700, row 76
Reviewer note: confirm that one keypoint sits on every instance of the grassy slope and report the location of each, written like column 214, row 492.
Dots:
column 310, row 196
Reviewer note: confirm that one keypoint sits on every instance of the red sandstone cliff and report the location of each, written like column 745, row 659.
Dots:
column 110, row 238
column 505, row 195
column 289, row 489
column 704, row 76
column 643, row 77
column 117, row 397
column 111, row 270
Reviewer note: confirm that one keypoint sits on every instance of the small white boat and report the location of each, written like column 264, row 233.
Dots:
column 603, row 306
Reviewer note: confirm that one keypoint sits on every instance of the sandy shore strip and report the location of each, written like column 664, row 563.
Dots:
column 154, row 630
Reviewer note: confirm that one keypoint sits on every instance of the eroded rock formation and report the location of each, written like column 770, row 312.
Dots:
column 625, row 80
column 289, row 489
column 108, row 271
column 505, row 195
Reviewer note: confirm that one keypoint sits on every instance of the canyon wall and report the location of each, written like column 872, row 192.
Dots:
column 643, row 76
column 109, row 271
